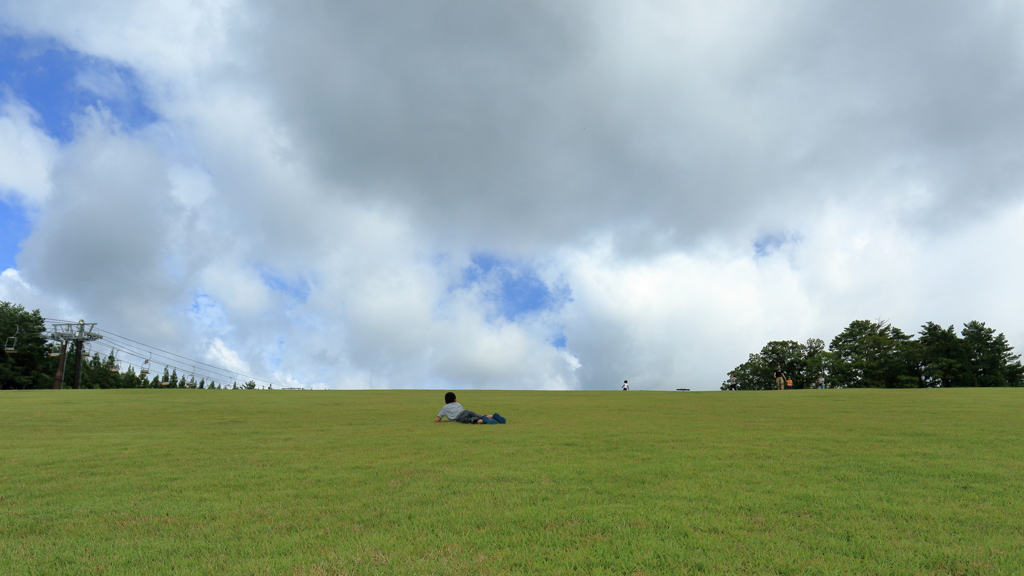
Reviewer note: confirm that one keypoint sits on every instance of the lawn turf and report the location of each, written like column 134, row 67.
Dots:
column 364, row 482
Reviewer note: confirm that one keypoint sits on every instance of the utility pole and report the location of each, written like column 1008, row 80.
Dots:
column 58, row 379
column 79, row 333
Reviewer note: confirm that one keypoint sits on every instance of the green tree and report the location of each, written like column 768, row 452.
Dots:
column 944, row 359
column 757, row 373
column 250, row 385
column 103, row 373
column 992, row 360
column 130, row 378
column 816, row 361
column 28, row 365
column 93, row 373
column 878, row 355
column 110, row 365
column 873, row 355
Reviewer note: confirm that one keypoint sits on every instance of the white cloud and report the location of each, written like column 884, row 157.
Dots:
column 220, row 355
column 105, row 82
column 27, row 154
column 175, row 37
column 191, row 186
column 321, row 175
column 14, row 288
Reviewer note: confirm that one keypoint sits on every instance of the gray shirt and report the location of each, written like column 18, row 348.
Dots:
column 450, row 410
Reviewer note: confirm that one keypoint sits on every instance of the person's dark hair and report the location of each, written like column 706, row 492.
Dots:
column 449, row 397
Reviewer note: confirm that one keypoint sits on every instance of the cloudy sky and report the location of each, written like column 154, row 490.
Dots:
column 467, row 194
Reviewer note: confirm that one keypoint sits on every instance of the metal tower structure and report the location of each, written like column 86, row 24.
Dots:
column 79, row 333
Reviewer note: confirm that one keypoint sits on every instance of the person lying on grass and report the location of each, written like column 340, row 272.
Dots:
column 456, row 413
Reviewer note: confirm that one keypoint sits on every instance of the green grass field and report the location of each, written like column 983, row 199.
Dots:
column 331, row 482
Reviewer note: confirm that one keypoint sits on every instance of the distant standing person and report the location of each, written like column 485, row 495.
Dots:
column 625, row 384
column 780, row 377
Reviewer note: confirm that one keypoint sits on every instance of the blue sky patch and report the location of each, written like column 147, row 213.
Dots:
column 209, row 314
column 514, row 288
column 14, row 227
column 60, row 84
column 298, row 290
column 272, row 358
column 767, row 244
column 559, row 341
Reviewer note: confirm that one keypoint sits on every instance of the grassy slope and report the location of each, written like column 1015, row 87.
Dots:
column 274, row 482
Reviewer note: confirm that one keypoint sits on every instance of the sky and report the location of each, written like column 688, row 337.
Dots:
column 535, row 195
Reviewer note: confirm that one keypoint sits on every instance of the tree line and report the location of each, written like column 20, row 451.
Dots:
column 33, row 362
column 876, row 354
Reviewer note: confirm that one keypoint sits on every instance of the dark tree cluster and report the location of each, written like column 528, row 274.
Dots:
column 33, row 362
column 876, row 354
column 29, row 365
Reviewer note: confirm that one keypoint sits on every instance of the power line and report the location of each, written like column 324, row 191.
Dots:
column 146, row 352
column 181, row 362
column 194, row 362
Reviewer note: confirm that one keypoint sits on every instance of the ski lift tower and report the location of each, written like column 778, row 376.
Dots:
column 79, row 333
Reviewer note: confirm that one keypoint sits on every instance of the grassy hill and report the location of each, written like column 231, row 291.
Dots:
column 364, row 482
